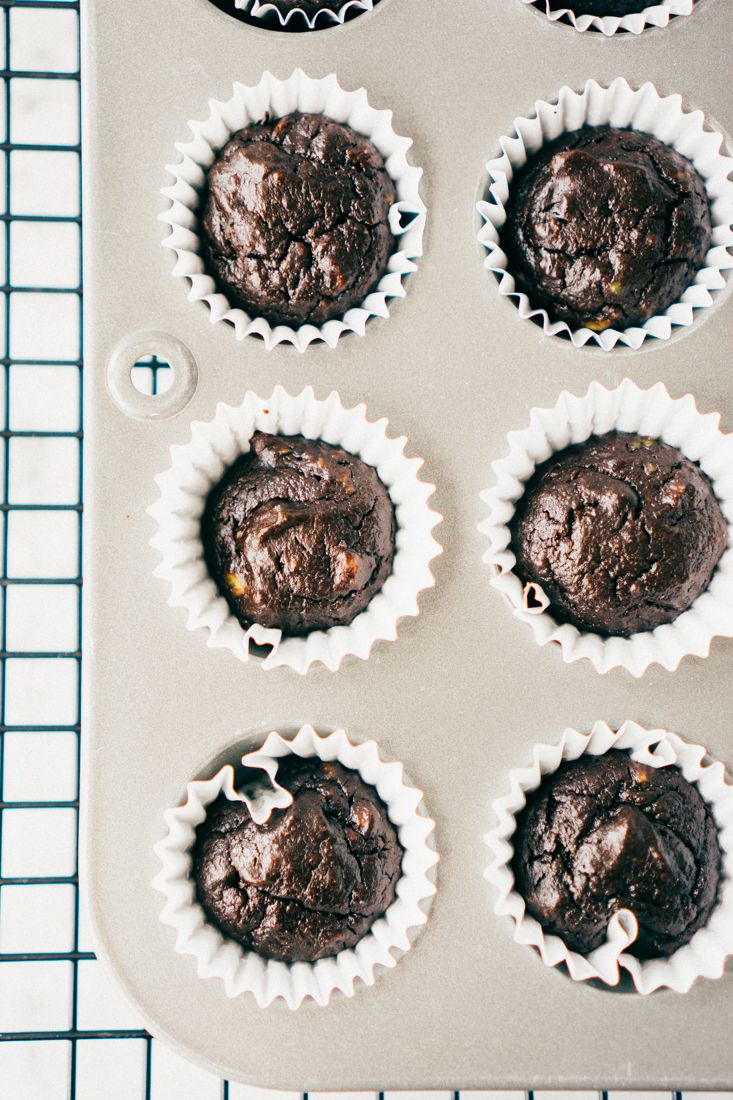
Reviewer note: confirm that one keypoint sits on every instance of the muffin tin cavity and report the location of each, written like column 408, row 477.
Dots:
column 375, row 787
column 622, row 107
column 611, row 17
column 649, row 414
column 706, row 952
column 198, row 466
column 274, row 98
column 295, row 16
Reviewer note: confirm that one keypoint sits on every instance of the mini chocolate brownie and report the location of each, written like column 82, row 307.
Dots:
column 605, row 7
column 298, row 534
column 605, row 833
column 606, row 227
column 310, row 7
column 294, row 219
column 313, row 878
column 622, row 533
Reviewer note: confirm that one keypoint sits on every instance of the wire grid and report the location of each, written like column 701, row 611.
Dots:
column 64, row 1030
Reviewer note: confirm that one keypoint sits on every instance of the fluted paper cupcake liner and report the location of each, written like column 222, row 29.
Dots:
column 273, row 98
column 267, row 979
column 655, row 15
column 627, row 408
column 706, row 953
column 622, row 106
column 325, row 17
column 214, row 446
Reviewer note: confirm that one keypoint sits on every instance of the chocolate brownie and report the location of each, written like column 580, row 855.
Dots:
column 298, row 534
column 313, row 878
column 606, row 227
column 310, row 7
column 605, row 833
column 622, row 533
column 293, row 222
column 605, row 7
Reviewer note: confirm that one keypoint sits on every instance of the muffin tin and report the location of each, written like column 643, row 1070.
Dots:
column 465, row 692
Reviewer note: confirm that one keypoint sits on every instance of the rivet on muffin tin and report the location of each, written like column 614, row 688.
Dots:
column 275, row 98
column 621, row 106
column 169, row 349
column 573, row 419
column 214, row 446
column 267, row 979
column 655, row 15
column 706, row 954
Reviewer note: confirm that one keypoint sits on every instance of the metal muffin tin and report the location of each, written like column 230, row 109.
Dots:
column 464, row 692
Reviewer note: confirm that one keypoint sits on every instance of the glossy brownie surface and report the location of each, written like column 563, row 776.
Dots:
column 299, row 534
column 309, row 882
column 293, row 222
column 622, row 533
column 606, row 227
column 605, row 833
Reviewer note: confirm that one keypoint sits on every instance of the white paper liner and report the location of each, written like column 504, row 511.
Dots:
column 275, row 98
column 267, row 979
column 573, row 419
column 198, row 465
column 621, row 106
column 656, row 15
column 706, row 953
column 326, row 16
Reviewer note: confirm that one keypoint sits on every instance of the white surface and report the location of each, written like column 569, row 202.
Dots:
column 44, row 398
column 44, row 326
column 44, row 183
column 43, row 544
column 35, row 996
column 121, row 1066
column 101, row 1007
column 40, row 1068
column 36, row 918
column 40, row 767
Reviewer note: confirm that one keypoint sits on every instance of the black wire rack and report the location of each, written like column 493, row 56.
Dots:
column 12, row 76
column 39, row 1074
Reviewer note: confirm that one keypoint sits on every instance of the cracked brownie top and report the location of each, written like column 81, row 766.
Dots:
column 294, row 219
column 621, row 532
column 313, row 878
column 298, row 534
column 606, row 227
column 605, row 833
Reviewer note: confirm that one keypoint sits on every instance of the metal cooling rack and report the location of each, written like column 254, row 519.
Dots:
column 64, row 1030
